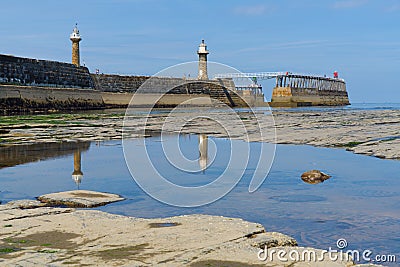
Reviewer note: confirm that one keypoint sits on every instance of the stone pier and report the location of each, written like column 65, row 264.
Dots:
column 300, row 90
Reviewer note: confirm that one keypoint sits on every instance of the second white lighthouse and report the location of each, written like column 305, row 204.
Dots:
column 202, row 52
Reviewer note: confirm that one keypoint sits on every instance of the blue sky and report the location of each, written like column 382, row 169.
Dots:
column 358, row 38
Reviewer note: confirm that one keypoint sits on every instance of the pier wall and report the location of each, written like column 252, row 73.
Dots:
column 295, row 90
column 296, row 97
column 118, row 83
column 117, row 90
column 150, row 100
column 15, row 98
column 252, row 98
column 30, row 84
column 40, row 85
column 169, row 85
column 43, row 73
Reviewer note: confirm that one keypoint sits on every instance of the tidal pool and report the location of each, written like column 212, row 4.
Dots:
column 360, row 203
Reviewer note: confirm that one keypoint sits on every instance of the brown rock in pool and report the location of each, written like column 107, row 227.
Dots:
column 314, row 177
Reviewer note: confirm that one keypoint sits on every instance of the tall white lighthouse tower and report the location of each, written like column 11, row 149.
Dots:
column 75, row 38
column 202, row 52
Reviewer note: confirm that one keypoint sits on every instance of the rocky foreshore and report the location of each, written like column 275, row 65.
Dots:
column 33, row 235
column 370, row 132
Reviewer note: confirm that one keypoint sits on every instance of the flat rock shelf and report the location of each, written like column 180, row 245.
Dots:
column 79, row 199
column 40, row 236
column 369, row 132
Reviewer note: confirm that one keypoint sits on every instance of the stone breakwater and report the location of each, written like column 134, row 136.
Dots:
column 43, row 73
column 158, row 85
column 371, row 132
column 41, row 85
column 302, row 90
column 117, row 91
column 25, row 99
column 33, row 235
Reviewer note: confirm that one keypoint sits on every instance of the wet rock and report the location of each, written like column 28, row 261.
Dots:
column 79, row 199
column 272, row 239
column 314, row 177
column 24, row 204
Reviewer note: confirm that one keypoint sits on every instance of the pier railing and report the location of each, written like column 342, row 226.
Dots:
column 293, row 80
column 311, row 82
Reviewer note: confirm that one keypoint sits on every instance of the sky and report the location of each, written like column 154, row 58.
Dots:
column 358, row 38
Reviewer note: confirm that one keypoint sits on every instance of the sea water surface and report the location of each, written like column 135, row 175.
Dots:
column 352, row 107
column 360, row 203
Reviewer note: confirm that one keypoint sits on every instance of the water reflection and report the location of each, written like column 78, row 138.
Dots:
column 361, row 201
column 14, row 155
column 77, row 175
column 21, row 154
column 203, row 150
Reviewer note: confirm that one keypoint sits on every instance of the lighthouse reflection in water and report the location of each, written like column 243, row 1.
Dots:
column 203, row 159
column 77, row 175
column 203, row 152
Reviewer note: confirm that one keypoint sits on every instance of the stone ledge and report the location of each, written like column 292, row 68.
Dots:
column 79, row 199
column 59, row 236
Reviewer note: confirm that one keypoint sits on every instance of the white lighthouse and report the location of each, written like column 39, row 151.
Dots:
column 202, row 52
column 75, row 37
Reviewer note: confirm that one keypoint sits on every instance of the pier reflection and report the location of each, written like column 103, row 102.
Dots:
column 21, row 154
column 14, row 155
column 203, row 151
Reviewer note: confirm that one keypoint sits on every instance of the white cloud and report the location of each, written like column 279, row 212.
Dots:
column 349, row 3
